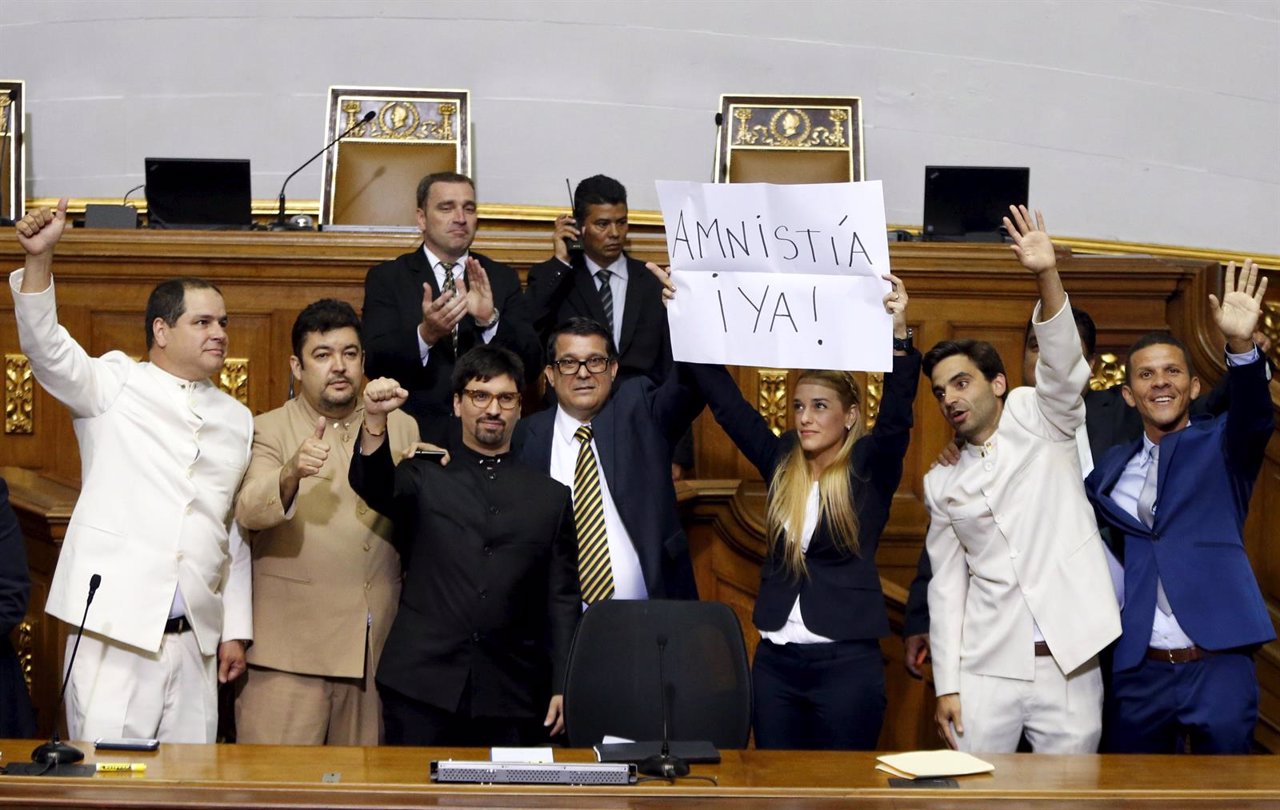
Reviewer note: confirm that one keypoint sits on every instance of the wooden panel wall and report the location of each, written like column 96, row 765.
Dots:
column 957, row 291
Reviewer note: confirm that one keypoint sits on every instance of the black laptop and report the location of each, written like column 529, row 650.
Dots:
column 198, row 193
column 967, row 203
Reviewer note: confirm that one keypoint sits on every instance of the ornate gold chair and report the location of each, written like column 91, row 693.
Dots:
column 371, row 176
column 12, row 197
column 789, row 139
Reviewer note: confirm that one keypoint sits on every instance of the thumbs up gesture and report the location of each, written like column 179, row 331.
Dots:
column 311, row 454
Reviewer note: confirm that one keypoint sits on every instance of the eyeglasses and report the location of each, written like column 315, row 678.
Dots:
column 568, row 366
column 481, row 399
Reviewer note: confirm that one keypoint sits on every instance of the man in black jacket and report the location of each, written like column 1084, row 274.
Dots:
column 477, row 652
column 427, row 308
column 602, row 282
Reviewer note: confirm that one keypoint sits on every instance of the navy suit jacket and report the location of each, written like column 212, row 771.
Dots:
column 634, row 433
column 1196, row 545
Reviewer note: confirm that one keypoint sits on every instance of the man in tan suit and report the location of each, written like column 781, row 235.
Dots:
column 1021, row 601
column 326, row 579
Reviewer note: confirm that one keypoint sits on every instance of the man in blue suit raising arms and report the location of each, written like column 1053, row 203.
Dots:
column 1176, row 499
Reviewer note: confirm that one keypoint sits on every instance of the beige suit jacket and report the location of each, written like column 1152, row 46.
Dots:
column 1021, row 545
column 325, row 570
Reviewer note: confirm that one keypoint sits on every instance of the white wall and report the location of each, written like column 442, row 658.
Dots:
column 1142, row 120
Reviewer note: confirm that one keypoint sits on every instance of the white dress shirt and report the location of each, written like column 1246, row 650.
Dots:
column 628, row 579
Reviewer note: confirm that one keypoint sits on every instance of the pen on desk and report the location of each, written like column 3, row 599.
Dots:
column 121, row 767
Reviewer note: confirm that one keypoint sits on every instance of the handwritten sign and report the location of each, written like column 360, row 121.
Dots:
column 779, row 275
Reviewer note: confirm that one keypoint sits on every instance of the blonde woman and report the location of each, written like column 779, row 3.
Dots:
column 818, row 676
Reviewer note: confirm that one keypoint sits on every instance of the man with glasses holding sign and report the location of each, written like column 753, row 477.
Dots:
column 490, row 598
column 613, row 448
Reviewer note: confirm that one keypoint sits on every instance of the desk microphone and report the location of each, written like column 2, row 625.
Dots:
column 56, row 752
column 664, row 764
column 280, row 224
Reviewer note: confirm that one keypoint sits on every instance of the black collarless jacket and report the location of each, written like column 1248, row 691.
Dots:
column 841, row 597
column 491, row 588
column 393, row 311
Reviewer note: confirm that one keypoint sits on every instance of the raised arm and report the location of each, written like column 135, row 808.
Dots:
column 743, row 424
column 1249, row 414
column 1061, row 371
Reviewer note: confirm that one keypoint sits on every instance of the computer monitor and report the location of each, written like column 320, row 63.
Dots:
column 200, row 193
column 967, row 203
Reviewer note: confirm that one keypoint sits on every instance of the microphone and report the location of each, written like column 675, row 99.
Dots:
column 56, row 752
column 664, row 764
column 280, row 223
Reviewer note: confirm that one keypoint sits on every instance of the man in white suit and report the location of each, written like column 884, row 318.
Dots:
column 1021, row 600
column 162, row 453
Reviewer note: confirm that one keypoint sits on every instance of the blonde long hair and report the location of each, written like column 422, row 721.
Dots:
column 789, row 489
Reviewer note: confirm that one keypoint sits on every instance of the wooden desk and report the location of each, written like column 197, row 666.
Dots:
column 190, row 776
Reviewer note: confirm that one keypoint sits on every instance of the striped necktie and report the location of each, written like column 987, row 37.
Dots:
column 595, row 572
column 450, row 285
column 606, row 296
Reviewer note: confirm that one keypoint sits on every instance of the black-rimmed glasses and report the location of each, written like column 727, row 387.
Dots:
column 568, row 366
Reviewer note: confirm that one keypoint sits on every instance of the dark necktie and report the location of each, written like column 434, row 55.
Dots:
column 595, row 571
column 606, row 296
column 450, row 285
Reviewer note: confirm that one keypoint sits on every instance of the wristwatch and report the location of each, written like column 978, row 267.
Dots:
column 904, row 344
column 494, row 320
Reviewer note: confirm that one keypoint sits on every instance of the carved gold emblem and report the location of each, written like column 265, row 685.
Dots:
column 26, row 650
column 19, row 395
column 402, row 119
column 772, row 399
column 790, row 127
column 875, row 393
column 1108, row 372
column 234, row 379
column 1270, row 326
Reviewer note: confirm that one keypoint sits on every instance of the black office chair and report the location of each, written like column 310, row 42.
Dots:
column 612, row 686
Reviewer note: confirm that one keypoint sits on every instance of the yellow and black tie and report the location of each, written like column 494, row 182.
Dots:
column 595, row 572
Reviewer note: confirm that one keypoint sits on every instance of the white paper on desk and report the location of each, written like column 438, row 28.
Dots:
column 537, row 755
column 932, row 764
column 609, row 739
column 779, row 275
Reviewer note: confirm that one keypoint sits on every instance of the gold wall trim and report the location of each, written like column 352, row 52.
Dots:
column 1107, row 372
column 496, row 212
column 19, row 395
column 234, row 379
column 875, row 394
column 1270, row 326
column 772, row 399
column 26, row 647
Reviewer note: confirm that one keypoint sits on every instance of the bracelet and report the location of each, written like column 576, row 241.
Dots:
column 492, row 321
column 371, row 433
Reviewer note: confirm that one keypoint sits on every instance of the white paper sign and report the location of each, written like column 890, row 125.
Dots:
column 779, row 275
